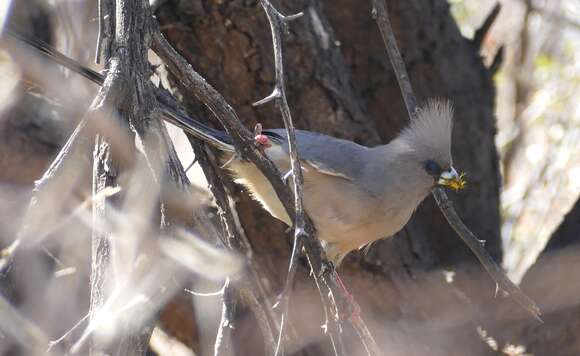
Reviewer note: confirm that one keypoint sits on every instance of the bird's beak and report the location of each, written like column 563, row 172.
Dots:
column 450, row 178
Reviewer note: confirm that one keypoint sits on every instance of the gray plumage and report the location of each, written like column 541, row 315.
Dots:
column 355, row 194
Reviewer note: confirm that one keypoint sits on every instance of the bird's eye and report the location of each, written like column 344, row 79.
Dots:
column 432, row 168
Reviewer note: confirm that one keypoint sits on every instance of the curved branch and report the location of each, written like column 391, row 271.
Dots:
column 494, row 270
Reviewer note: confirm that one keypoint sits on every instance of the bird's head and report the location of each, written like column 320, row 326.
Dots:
column 429, row 138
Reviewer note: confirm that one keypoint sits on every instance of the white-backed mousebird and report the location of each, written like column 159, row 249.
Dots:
column 354, row 194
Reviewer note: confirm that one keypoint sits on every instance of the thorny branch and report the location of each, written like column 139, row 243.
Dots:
column 502, row 281
column 278, row 23
column 234, row 238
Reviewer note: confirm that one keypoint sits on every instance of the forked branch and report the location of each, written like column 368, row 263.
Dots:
column 303, row 228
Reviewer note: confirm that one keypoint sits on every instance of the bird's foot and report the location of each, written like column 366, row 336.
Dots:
column 261, row 139
column 349, row 309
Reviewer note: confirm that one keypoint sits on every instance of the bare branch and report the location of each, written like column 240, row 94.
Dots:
column 277, row 22
column 499, row 276
column 127, row 62
column 497, row 61
column 111, row 96
column 484, row 29
column 223, row 343
column 476, row 245
column 380, row 15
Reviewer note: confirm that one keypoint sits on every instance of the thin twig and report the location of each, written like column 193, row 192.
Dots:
column 476, row 245
column 53, row 343
column 380, row 14
column 100, row 32
column 330, row 326
column 484, row 29
column 277, row 24
column 223, row 344
column 494, row 270
column 497, row 61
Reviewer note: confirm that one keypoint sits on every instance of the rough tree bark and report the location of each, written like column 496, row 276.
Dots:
column 340, row 83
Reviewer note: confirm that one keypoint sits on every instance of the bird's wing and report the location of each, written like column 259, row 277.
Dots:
column 326, row 154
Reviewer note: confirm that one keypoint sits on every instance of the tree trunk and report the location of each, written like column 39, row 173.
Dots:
column 340, row 83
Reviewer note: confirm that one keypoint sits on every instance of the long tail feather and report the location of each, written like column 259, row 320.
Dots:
column 216, row 138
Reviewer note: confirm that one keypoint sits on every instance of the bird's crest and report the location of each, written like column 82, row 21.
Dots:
column 430, row 129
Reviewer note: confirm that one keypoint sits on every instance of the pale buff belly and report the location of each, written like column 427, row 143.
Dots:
column 345, row 216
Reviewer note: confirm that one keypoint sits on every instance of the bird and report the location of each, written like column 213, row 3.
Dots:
column 354, row 194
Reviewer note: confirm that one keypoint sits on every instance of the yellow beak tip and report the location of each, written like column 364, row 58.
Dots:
column 457, row 183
